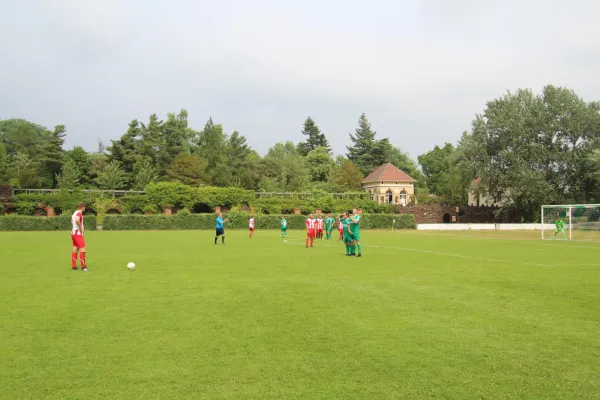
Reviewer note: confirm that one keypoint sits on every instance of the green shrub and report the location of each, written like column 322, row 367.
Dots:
column 238, row 220
column 134, row 202
column 27, row 223
column 1, row 207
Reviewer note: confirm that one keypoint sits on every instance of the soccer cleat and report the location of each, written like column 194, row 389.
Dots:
column 84, row 269
column 73, row 268
column 359, row 255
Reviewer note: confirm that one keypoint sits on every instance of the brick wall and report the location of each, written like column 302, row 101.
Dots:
column 435, row 213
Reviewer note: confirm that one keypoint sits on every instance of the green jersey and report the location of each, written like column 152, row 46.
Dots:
column 329, row 223
column 283, row 224
column 355, row 223
column 345, row 223
column 560, row 225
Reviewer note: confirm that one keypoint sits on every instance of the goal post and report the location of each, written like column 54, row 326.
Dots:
column 581, row 221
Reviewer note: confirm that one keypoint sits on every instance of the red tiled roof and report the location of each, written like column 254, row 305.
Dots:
column 388, row 172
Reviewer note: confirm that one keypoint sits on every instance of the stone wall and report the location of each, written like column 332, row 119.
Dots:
column 439, row 213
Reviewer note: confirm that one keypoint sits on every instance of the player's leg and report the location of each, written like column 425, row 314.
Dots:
column 357, row 241
column 223, row 237
column 82, row 260
column 307, row 238
column 217, row 236
column 555, row 233
column 563, row 233
column 74, row 257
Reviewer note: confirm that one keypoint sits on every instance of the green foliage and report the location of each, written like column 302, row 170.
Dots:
column 136, row 202
column 319, row 164
column 27, row 223
column 239, row 220
column 69, row 176
column 170, row 194
column 102, row 205
column 1, row 208
column 314, row 139
column 144, row 173
column 4, row 165
column 345, row 176
column 188, row 169
column 25, row 171
column 533, row 149
column 112, row 176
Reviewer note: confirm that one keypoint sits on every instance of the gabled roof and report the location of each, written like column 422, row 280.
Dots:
column 388, row 172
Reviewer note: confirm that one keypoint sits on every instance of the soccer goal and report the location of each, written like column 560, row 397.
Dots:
column 581, row 221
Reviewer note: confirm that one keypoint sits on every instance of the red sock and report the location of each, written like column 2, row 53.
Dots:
column 73, row 260
column 306, row 242
column 82, row 259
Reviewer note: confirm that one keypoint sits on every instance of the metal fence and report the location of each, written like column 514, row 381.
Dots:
column 260, row 195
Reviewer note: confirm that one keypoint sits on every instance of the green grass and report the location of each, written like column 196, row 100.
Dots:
column 423, row 316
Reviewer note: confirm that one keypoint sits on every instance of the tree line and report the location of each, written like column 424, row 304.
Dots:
column 528, row 148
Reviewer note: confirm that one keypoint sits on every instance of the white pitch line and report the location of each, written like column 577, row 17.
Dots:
column 454, row 255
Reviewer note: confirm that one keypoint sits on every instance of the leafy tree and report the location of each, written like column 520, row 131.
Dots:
column 112, row 176
column 51, row 155
column 314, row 138
column 241, row 162
column 534, row 149
column 187, row 169
column 25, row 172
column 319, row 164
column 82, row 161
column 69, row 176
column 4, row 165
column 211, row 148
column 98, row 162
column 436, row 165
column 284, row 167
column 125, row 150
column 144, row 174
column 345, row 176
column 21, row 136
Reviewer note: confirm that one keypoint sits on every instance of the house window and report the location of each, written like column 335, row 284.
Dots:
column 389, row 196
column 403, row 197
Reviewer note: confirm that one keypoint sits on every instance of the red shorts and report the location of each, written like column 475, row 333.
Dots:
column 251, row 229
column 311, row 233
column 78, row 241
column 320, row 230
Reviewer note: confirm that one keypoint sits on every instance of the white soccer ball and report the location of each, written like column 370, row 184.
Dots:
column 131, row 266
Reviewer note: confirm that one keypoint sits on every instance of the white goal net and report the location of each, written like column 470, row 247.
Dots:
column 579, row 222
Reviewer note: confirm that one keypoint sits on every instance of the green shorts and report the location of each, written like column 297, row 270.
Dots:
column 284, row 229
column 356, row 236
column 560, row 230
column 348, row 238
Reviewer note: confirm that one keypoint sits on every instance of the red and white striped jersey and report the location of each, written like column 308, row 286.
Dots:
column 310, row 223
column 77, row 216
column 251, row 222
column 320, row 223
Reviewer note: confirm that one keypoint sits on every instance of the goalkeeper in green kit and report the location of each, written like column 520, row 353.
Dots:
column 560, row 228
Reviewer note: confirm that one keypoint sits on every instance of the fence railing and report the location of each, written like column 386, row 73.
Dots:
column 260, row 195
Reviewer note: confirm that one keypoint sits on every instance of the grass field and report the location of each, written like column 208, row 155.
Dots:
column 422, row 315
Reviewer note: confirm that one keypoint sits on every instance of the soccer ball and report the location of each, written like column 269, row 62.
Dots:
column 131, row 266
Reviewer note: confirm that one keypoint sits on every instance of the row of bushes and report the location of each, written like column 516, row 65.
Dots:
column 163, row 195
column 192, row 221
column 60, row 223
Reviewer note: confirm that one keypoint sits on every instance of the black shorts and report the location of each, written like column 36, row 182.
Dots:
column 220, row 231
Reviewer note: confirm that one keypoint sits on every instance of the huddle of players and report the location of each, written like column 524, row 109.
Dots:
column 348, row 226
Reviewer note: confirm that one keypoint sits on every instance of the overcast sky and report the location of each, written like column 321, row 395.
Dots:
column 419, row 69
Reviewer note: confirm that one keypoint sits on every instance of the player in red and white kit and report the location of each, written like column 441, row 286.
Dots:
column 320, row 227
column 251, row 226
column 341, row 228
column 311, row 225
column 77, row 238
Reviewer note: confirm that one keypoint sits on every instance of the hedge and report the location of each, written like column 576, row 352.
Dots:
column 60, row 223
column 240, row 221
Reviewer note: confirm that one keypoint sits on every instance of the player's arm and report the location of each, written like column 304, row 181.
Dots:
column 78, row 222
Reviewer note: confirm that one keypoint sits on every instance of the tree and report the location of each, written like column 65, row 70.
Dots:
column 436, row 165
column 21, row 136
column 284, row 168
column 82, row 161
column 319, row 164
column 112, row 177
column 211, row 148
column 241, row 162
column 69, row 176
column 314, row 138
column 25, row 171
column 187, row 169
column 534, row 149
column 51, row 155
column 126, row 149
column 4, row 165
column 345, row 176
column 144, row 173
